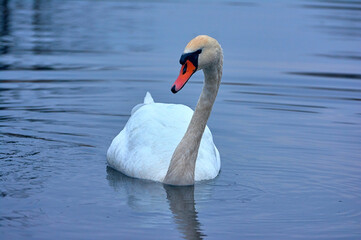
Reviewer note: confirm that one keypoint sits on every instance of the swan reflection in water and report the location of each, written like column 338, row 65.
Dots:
column 148, row 196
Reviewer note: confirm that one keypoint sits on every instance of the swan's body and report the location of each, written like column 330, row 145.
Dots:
column 144, row 148
column 170, row 143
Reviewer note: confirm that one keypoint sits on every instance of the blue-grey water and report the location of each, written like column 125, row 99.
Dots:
column 287, row 119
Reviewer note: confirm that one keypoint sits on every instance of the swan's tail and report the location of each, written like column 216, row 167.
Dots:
column 148, row 98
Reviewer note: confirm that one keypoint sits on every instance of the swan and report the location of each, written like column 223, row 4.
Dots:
column 170, row 143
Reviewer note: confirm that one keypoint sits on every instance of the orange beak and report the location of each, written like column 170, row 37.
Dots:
column 185, row 74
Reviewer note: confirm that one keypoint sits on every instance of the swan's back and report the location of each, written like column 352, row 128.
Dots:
column 144, row 148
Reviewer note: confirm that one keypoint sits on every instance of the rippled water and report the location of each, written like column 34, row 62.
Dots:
column 286, row 120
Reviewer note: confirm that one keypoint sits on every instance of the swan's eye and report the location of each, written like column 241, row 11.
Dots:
column 192, row 57
column 184, row 68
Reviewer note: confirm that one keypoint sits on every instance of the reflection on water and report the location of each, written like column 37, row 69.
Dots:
column 180, row 199
column 182, row 205
column 48, row 29
column 286, row 120
column 4, row 32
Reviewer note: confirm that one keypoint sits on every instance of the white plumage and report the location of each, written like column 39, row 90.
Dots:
column 144, row 148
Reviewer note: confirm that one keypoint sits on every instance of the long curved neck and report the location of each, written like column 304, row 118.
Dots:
column 182, row 165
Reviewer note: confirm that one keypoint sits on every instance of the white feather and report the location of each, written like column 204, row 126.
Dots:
column 144, row 148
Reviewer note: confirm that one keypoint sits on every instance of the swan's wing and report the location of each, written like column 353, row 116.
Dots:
column 143, row 149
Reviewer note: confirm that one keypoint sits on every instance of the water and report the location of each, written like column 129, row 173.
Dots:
column 286, row 120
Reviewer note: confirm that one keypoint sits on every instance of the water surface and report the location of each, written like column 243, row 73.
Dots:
column 287, row 119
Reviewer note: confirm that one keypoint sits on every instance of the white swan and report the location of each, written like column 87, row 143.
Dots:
column 170, row 143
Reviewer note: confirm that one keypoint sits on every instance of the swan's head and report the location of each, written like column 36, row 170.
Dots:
column 202, row 52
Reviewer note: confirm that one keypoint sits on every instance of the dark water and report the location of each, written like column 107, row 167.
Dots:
column 287, row 120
